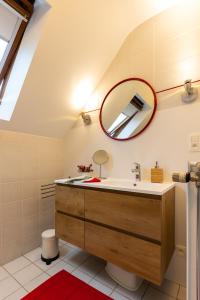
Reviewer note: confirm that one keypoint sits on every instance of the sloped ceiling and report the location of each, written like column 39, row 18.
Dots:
column 79, row 41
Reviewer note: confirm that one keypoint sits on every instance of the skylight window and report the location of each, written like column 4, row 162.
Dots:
column 14, row 18
column 3, row 46
column 18, row 61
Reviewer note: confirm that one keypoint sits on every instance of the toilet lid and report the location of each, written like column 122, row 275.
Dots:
column 50, row 233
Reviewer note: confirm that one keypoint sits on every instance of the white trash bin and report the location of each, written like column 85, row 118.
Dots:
column 50, row 250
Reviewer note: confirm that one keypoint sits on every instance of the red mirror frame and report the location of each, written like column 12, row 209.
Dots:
column 153, row 114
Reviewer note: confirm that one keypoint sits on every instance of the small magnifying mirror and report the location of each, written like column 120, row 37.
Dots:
column 100, row 157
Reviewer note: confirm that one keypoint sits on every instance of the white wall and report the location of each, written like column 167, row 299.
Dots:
column 77, row 43
column 164, row 51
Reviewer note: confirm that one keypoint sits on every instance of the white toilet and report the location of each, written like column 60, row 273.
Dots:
column 127, row 280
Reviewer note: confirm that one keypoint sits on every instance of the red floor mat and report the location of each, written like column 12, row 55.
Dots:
column 64, row 286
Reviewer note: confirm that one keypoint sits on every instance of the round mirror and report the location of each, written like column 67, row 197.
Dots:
column 127, row 109
column 100, row 157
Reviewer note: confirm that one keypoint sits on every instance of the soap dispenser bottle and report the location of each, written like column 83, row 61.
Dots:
column 156, row 174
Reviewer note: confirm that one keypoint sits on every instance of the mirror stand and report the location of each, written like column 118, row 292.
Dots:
column 100, row 172
column 100, row 157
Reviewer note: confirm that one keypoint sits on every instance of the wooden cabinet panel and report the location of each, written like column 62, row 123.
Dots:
column 132, row 254
column 139, row 215
column 70, row 229
column 168, row 227
column 70, row 200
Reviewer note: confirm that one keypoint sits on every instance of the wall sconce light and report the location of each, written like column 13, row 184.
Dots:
column 190, row 93
column 86, row 118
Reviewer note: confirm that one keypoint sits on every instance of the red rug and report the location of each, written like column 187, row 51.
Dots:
column 64, row 286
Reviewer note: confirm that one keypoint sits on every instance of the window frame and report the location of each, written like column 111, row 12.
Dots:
column 25, row 9
column 9, row 46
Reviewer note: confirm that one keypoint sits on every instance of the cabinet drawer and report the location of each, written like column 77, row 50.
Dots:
column 70, row 200
column 70, row 229
column 132, row 254
column 134, row 214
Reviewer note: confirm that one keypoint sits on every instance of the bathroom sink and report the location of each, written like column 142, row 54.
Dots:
column 126, row 185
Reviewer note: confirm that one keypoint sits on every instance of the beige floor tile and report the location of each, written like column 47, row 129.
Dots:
column 168, row 287
column 153, row 294
column 104, row 278
column 42, row 265
column 100, row 287
column 118, row 296
column 59, row 267
column 7, row 287
column 27, row 274
column 64, row 250
column 92, row 266
column 3, row 274
column 136, row 295
column 17, row 264
column 17, row 295
column 76, row 258
column 82, row 276
column 31, row 285
column 34, row 254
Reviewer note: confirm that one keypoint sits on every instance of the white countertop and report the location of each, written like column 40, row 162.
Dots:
column 127, row 185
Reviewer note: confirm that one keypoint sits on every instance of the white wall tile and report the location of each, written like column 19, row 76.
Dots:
column 22, row 218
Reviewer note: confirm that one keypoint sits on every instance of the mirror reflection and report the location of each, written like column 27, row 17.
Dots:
column 128, row 109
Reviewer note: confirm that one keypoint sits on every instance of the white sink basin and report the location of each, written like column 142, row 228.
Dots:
column 127, row 185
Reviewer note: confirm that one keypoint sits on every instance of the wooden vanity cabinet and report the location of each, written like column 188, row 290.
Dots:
column 133, row 231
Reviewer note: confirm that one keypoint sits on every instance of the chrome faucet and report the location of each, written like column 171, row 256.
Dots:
column 137, row 171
